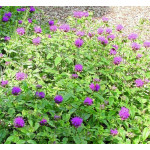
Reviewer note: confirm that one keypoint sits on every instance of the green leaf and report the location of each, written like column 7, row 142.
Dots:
column 145, row 134
column 49, row 55
column 57, row 60
column 11, row 111
column 31, row 142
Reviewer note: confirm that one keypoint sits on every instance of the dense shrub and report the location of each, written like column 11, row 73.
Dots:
column 80, row 82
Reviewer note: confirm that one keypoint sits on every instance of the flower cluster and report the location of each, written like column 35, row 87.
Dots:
column 78, row 43
column 58, row 99
column 78, row 68
column 76, row 121
column 40, row 95
column 114, row 132
column 20, row 76
column 117, row 60
column 80, row 14
column 139, row 82
column 124, row 113
column 103, row 40
column 21, row 31
column 16, row 90
column 94, row 87
column 88, row 101
column 6, row 17
column 64, row 27
column 43, row 122
column 19, row 122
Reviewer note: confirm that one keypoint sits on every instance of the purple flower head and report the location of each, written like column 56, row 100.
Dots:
column 114, row 132
column 103, row 40
column 20, row 21
column 108, row 30
column 133, row 36
column 105, row 19
column 0, row 6
column 6, row 38
column 53, row 28
column 40, row 95
column 32, row 9
column 1, row 55
column 119, row 27
column 113, row 51
column 16, row 90
column 36, row 41
column 124, row 113
column 100, row 31
column 76, row 121
column 58, row 99
column 49, row 36
column 21, row 31
column 19, row 122
column 20, row 76
column 51, row 22
column 78, row 68
column 43, row 122
column 111, row 37
column 80, row 33
column 74, row 76
column 8, row 14
column 37, row 30
column 57, row 117
column 78, row 42
column 94, row 87
column 102, row 106
column 96, row 80
column 29, row 20
column 88, row 101
column 91, row 34
column 117, row 60
column 139, row 83
column 65, row 27
column 21, row 9
column 115, row 46
column 139, row 56
column 146, row 80
column 135, row 46
column 7, row 63
column 74, row 29
column 39, row 86
column 4, row 83
column 5, row 19
column 80, row 14
column 146, row 44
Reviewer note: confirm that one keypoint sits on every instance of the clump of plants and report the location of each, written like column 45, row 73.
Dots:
column 83, row 82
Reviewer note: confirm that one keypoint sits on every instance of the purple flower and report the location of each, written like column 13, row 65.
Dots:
column 119, row 27
column 43, row 122
column 111, row 37
column 100, row 31
column 6, row 38
column 1, row 55
column 91, row 34
column 21, row 9
column 102, row 106
column 5, row 19
column 103, row 40
column 65, row 27
column 20, row 21
column 139, row 56
column 7, row 63
column 53, row 28
column 80, row 33
column 0, row 6
column 21, row 31
column 74, row 76
column 78, row 42
column 58, row 99
column 37, row 30
column 94, row 87
column 32, row 9
column 113, row 51
column 29, row 20
column 20, row 76
column 36, row 41
column 105, row 19
column 146, row 44
column 133, row 36
column 108, row 30
column 51, row 22
column 78, row 68
column 139, row 82
column 146, row 80
column 117, row 60
column 40, row 95
column 135, row 46
column 19, row 122
column 16, row 90
column 4, row 83
column 96, row 80
column 39, row 86
column 115, row 46
column 124, row 113
column 49, row 36
column 80, row 14
column 76, row 121
column 88, row 101
column 114, row 132
column 8, row 14
column 74, row 29
column 57, row 117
